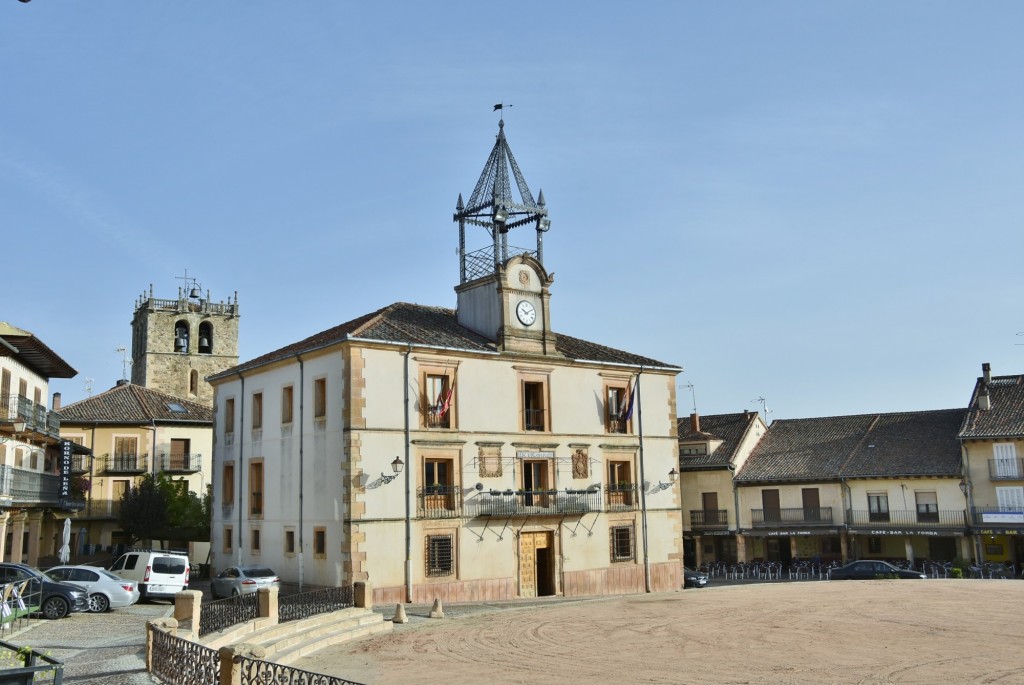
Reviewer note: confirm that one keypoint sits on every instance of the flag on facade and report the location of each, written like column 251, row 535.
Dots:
column 445, row 404
column 626, row 412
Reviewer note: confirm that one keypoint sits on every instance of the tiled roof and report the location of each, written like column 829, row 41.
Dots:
column 729, row 428
column 33, row 352
column 132, row 404
column 434, row 326
column 864, row 446
column 1005, row 419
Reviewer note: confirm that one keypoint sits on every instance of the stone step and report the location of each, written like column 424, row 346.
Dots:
column 302, row 649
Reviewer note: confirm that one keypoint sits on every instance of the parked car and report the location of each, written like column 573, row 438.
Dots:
column 157, row 573
column 53, row 598
column 242, row 580
column 869, row 569
column 694, row 578
column 106, row 591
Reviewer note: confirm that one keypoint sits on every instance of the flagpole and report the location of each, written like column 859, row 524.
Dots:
column 643, row 483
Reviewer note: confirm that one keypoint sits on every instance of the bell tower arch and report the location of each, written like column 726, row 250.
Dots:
column 173, row 344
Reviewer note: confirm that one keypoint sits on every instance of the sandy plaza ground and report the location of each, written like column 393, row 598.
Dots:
column 864, row 632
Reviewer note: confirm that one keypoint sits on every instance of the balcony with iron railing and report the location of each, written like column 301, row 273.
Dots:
column 621, row 497
column 125, row 463
column 439, row 502
column 709, row 519
column 181, row 463
column 433, row 418
column 38, row 420
column 533, row 419
column 924, row 519
column 255, row 505
column 23, row 487
column 616, row 424
column 102, row 509
column 533, row 502
column 1006, row 469
column 1010, row 517
column 791, row 516
column 80, row 463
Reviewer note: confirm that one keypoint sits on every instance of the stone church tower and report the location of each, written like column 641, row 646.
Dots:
column 177, row 343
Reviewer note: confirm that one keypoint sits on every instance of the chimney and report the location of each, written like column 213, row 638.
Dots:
column 984, row 403
column 55, row 405
column 986, row 372
column 695, row 422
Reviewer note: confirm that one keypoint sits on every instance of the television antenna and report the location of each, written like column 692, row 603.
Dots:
column 125, row 362
column 764, row 407
column 693, row 395
column 88, row 387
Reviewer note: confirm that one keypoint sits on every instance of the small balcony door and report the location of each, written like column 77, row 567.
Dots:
column 812, row 504
column 770, row 504
column 179, row 454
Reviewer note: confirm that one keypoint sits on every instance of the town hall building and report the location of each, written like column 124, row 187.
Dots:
column 464, row 454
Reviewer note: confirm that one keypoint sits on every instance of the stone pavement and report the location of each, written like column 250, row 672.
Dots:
column 100, row 649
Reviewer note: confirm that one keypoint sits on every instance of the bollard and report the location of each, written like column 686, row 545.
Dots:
column 437, row 611
column 400, row 616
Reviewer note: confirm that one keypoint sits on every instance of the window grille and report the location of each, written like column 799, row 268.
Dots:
column 622, row 543
column 440, row 560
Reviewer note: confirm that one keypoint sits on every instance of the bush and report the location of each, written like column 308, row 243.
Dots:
column 956, row 572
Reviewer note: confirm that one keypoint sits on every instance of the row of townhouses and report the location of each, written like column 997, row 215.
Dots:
column 937, row 485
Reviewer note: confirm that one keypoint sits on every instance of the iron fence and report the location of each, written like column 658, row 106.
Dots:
column 224, row 613
column 439, row 501
column 183, row 662
column 181, row 463
column 296, row 607
column 259, row 672
column 126, row 463
column 32, row 669
column 621, row 497
column 1006, row 469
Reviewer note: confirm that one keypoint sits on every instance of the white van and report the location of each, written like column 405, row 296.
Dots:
column 159, row 573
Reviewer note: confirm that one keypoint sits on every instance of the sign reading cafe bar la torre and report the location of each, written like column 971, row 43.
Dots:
column 455, row 453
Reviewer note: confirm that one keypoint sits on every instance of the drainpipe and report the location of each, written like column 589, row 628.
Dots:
column 241, row 464
column 643, row 481
column 408, row 486
column 302, row 472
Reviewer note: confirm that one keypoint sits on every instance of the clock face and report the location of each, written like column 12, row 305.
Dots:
column 526, row 313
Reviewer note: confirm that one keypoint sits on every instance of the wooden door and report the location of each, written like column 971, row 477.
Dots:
column 812, row 504
column 770, row 503
column 536, row 567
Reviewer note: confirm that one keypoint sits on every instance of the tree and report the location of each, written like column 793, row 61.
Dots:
column 144, row 512
column 160, row 508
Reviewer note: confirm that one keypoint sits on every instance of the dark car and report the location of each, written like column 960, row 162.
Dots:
column 53, row 599
column 692, row 578
column 868, row 569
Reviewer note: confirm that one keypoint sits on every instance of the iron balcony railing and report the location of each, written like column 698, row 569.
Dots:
column 616, row 424
column 534, row 419
column 80, row 463
column 255, row 504
column 998, row 516
column 126, row 463
column 103, row 509
column 25, row 487
column 941, row 519
column 1006, row 469
column 621, row 497
column 709, row 518
column 533, row 502
column 439, row 501
column 791, row 516
column 433, row 418
column 181, row 463
column 38, row 420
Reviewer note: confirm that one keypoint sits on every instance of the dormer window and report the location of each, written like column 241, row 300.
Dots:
column 181, row 336
column 693, row 450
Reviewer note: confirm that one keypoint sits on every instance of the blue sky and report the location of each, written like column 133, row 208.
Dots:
column 815, row 203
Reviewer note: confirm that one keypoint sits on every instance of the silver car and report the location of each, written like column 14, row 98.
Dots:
column 242, row 580
column 106, row 591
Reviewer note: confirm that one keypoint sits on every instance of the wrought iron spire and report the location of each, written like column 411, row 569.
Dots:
column 493, row 206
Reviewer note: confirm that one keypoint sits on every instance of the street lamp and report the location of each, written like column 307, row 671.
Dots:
column 396, row 466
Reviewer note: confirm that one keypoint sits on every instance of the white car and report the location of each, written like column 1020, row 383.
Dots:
column 106, row 591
